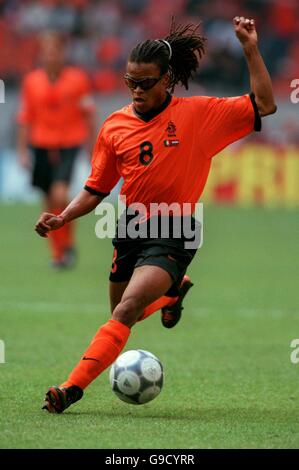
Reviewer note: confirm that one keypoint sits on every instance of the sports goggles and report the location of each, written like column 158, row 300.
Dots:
column 145, row 84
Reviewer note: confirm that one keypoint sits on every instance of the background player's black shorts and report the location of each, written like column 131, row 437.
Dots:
column 50, row 166
column 168, row 253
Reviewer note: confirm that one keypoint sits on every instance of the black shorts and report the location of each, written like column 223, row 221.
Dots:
column 50, row 166
column 168, row 253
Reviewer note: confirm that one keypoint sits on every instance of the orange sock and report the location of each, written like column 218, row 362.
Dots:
column 106, row 345
column 56, row 240
column 157, row 305
column 60, row 239
column 67, row 235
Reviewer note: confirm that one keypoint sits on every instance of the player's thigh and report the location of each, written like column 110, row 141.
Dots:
column 147, row 284
column 116, row 290
column 41, row 169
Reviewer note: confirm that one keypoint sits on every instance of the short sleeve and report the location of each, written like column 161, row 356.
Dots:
column 104, row 173
column 225, row 120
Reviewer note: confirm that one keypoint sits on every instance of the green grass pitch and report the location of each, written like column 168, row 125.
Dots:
column 229, row 381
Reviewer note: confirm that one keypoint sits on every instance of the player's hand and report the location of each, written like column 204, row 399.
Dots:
column 245, row 30
column 48, row 222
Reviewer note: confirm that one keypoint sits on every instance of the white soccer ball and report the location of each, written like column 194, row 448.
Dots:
column 136, row 377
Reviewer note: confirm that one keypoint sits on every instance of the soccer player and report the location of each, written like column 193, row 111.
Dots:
column 56, row 118
column 162, row 146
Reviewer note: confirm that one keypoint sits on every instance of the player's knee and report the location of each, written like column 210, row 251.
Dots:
column 127, row 311
column 58, row 195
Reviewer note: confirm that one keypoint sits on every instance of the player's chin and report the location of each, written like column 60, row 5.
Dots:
column 142, row 106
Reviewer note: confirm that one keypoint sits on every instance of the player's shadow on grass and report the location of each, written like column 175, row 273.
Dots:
column 204, row 415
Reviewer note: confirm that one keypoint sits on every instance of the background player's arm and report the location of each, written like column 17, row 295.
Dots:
column 260, row 80
column 92, row 132
column 89, row 112
column 82, row 204
column 22, row 146
column 24, row 119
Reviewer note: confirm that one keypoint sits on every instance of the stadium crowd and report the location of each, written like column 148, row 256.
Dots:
column 100, row 33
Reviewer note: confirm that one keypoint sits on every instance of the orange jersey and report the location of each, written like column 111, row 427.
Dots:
column 168, row 159
column 55, row 111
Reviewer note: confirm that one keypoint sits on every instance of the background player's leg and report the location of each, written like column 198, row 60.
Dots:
column 44, row 164
column 62, row 240
column 62, row 164
column 58, row 195
column 148, row 283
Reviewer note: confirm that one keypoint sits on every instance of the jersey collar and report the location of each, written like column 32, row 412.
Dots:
column 146, row 117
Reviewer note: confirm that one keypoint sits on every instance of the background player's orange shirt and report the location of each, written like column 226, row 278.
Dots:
column 168, row 158
column 55, row 112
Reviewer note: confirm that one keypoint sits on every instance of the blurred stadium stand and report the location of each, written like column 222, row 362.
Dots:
column 99, row 36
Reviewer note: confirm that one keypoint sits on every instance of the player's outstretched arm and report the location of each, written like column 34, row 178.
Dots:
column 260, row 80
column 82, row 204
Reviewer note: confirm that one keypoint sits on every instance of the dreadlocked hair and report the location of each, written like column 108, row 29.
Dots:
column 187, row 48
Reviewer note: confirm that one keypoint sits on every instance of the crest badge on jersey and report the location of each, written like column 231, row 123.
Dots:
column 171, row 132
column 171, row 129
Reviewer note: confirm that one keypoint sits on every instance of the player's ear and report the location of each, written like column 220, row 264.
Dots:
column 166, row 80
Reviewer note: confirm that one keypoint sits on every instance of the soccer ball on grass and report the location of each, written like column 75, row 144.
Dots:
column 136, row 377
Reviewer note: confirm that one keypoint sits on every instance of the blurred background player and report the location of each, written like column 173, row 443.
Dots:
column 250, row 250
column 132, row 144
column 56, row 118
